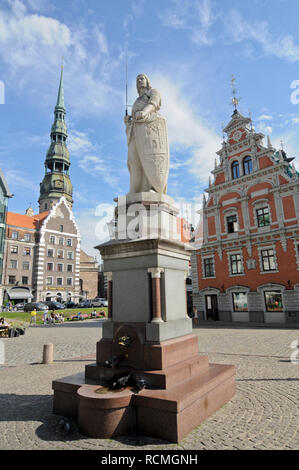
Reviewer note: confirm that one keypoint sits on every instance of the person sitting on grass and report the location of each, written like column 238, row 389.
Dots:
column 52, row 318
column 94, row 314
column 3, row 324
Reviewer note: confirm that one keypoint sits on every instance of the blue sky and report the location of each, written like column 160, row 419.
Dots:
column 189, row 49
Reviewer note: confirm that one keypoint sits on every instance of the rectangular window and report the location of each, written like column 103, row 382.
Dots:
column 60, row 254
column 68, row 242
column 49, row 266
column 232, row 224
column 49, row 281
column 27, row 237
column 14, row 249
column 11, row 279
column 69, row 281
column 61, row 241
column 69, row 268
column 209, row 267
column 26, row 266
column 240, row 302
column 59, row 281
column 15, row 235
column 24, row 280
column 52, row 239
column 59, row 267
column 268, row 260
column 13, row 264
column 273, row 301
column 263, row 217
column 70, row 255
column 236, row 264
column 61, row 228
column 27, row 251
column 50, row 253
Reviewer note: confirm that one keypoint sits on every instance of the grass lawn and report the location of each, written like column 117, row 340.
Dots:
column 24, row 317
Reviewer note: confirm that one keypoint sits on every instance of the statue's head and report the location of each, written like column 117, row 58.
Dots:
column 142, row 81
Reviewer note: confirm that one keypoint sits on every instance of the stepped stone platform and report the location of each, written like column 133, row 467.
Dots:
column 184, row 390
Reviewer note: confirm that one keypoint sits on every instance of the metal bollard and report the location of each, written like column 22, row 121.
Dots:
column 48, row 353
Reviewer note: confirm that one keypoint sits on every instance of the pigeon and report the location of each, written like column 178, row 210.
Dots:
column 120, row 383
column 65, row 427
column 140, row 384
column 113, row 362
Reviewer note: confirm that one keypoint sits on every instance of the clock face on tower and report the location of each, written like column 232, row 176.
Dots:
column 237, row 135
column 58, row 183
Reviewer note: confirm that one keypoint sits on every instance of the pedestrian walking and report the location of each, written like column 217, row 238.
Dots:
column 33, row 317
column 45, row 314
column 52, row 318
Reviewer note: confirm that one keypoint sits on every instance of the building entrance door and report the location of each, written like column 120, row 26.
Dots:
column 212, row 307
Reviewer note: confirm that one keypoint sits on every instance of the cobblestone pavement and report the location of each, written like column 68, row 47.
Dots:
column 264, row 414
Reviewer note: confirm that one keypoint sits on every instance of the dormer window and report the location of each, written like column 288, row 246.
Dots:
column 235, row 170
column 247, row 165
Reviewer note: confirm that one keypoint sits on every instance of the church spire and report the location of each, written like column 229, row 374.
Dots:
column 56, row 182
column 60, row 97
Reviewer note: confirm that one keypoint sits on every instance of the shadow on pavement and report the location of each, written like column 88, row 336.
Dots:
column 38, row 408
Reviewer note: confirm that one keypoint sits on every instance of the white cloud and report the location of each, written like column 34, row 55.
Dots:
column 239, row 29
column 195, row 141
column 32, row 45
column 79, row 143
column 197, row 17
column 264, row 117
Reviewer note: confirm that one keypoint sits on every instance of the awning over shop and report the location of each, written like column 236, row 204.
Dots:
column 16, row 293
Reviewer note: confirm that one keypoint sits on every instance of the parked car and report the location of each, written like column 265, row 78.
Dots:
column 34, row 305
column 70, row 304
column 19, row 306
column 99, row 302
column 85, row 304
column 54, row 305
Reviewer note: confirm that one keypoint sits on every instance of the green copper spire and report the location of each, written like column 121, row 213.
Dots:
column 56, row 182
column 60, row 98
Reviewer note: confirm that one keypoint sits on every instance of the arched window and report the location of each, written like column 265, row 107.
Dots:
column 235, row 170
column 247, row 165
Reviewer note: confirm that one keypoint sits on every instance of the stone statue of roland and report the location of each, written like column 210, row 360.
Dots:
column 148, row 149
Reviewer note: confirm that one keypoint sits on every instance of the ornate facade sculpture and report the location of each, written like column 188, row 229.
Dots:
column 148, row 149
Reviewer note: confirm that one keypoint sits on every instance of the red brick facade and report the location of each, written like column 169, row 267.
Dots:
column 248, row 266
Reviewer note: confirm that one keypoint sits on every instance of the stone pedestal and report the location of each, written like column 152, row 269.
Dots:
column 150, row 335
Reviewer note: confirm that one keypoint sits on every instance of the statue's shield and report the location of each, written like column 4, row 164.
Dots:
column 153, row 150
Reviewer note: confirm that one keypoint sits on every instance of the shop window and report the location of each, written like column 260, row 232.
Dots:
column 236, row 264
column 263, row 216
column 268, row 260
column 209, row 267
column 273, row 300
column 232, row 224
column 240, row 302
